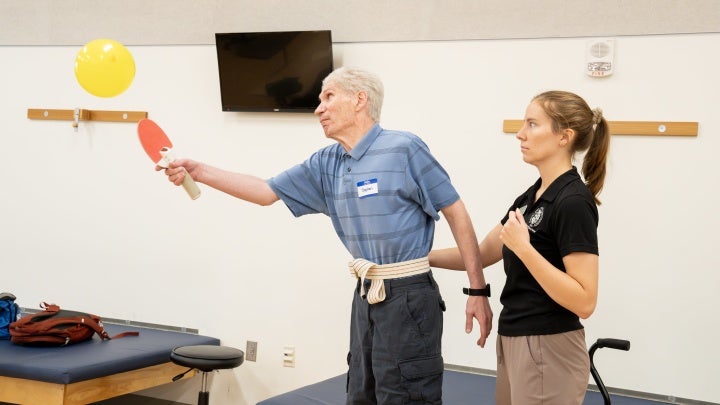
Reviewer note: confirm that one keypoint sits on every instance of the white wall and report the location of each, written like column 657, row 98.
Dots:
column 89, row 225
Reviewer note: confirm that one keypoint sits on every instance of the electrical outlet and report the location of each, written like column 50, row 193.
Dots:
column 289, row 356
column 251, row 351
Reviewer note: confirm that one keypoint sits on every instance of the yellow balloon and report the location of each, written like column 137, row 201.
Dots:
column 104, row 68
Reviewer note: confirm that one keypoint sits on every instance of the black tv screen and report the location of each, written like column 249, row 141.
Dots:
column 273, row 71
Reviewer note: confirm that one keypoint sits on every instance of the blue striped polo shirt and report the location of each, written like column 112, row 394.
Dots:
column 383, row 196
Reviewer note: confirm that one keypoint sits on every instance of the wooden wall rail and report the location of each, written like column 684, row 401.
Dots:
column 659, row 128
column 85, row 115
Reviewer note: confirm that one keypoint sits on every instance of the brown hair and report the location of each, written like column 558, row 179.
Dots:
column 568, row 110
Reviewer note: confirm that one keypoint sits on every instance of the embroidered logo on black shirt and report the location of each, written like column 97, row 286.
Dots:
column 536, row 217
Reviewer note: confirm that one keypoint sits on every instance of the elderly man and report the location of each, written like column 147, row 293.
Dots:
column 383, row 191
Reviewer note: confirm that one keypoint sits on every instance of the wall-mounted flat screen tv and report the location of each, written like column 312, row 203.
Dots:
column 273, row 71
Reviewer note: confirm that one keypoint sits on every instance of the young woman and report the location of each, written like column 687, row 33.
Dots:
column 548, row 244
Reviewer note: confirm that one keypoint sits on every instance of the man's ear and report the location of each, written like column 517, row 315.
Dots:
column 362, row 99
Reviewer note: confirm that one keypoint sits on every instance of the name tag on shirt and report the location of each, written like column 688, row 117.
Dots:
column 367, row 188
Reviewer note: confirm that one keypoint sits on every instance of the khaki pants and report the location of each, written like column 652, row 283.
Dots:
column 542, row 369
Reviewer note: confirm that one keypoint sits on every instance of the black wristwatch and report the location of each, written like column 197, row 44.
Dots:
column 483, row 292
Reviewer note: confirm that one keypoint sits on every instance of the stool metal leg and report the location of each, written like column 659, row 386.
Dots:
column 204, row 394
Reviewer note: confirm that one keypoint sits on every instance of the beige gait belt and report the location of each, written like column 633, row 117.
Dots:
column 365, row 269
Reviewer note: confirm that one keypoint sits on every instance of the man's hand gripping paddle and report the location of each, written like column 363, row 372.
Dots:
column 158, row 146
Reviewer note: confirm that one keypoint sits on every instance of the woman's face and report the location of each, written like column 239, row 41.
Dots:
column 538, row 142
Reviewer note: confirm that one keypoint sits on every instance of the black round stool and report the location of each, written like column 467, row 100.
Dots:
column 206, row 358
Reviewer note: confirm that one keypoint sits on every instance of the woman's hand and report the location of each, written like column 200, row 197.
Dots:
column 514, row 233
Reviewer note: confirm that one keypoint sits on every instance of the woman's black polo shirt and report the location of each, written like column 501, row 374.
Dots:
column 563, row 220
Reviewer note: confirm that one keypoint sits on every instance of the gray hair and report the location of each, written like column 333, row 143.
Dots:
column 355, row 80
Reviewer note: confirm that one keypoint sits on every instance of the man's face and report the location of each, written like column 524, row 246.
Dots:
column 337, row 110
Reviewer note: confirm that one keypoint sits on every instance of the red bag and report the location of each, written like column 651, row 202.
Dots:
column 58, row 327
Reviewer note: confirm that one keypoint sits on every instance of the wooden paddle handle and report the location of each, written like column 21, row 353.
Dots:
column 190, row 186
column 188, row 183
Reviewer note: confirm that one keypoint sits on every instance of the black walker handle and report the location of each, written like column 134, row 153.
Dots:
column 613, row 344
column 618, row 344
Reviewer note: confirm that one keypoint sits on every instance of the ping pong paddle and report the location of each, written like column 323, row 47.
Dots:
column 157, row 145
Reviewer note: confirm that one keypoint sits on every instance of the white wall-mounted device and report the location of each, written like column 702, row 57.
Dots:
column 599, row 57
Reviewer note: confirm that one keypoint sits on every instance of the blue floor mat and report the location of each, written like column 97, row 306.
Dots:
column 458, row 389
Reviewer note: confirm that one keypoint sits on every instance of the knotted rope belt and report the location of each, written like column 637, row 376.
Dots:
column 365, row 269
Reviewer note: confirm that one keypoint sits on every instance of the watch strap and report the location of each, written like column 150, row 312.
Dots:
column 483, row 292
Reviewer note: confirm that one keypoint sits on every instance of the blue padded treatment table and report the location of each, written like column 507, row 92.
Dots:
column 459, row 388
column 93, row 370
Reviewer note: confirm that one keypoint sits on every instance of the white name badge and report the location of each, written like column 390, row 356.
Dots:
column 367, row 188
